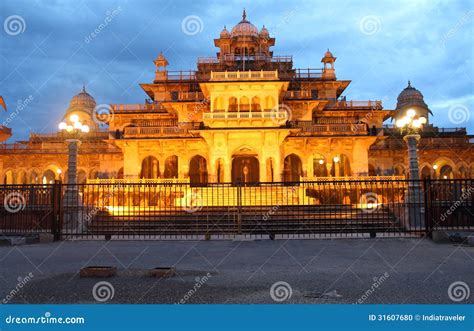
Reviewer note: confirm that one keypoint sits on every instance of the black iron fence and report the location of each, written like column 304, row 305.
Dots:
column 300, row 209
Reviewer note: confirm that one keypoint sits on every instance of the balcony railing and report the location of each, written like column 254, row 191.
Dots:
column 308, row 73
column 94, row 134
column 244, row 75
column 303, row 94
column 239, row 57
column 185, row 96
column 278, row 115
column 330, row 129
column 342, row 104
column 141, row 132
column 137, row 108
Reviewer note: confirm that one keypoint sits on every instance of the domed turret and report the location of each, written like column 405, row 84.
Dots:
column 244, row 28
column 412, row 98
column 82, row 105
column 225, row 33
column 264, row 33
column 328, row 70
column 82, row 101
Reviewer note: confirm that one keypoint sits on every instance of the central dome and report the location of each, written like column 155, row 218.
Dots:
column 410, row 96
column 244, row 28
column 82, row 101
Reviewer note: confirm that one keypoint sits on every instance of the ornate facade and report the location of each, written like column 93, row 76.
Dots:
column 244, row 115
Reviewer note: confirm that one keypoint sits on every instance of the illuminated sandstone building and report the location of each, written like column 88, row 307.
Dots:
column 245, row 115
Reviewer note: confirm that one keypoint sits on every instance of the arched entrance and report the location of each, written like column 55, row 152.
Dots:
column 198, row 171
column 293, row 169
column 319, row 166
column 245, row 169
column 150, row 168
column 446, row 172
column 425, row 172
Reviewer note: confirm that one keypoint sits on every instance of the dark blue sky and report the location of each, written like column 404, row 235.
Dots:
column 379, row 45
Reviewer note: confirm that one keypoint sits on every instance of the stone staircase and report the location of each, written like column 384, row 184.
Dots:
column 249, row 196
column 249, row 220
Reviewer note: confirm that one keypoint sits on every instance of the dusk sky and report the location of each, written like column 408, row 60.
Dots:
column 48, row 50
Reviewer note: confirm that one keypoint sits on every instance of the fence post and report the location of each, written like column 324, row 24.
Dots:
column 56, row 202
column 427, row 206
column 239, row 207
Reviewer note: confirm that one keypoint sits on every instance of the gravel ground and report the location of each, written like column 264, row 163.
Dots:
column 315, row 271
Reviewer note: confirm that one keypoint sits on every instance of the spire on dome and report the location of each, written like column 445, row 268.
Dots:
column 409, row 83
column 83, row 87
column 244, row 15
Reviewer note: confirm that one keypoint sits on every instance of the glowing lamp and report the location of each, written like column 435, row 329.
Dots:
column 411, row 113
column 62, row 126
column 74, row 118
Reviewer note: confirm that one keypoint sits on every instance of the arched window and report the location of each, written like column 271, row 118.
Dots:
column 340, row 166
column 150, row 168
column 33, row 178
column 463, row 172
column 233, row 104
column 319, row 166
column 292, row 169
column 9, row 178
column 446, row 172
column 198, row 175
column 171, row 167
column 256, row 104
column 426, row 172
column 48, row 177
column 244, row 104
column 21, row 177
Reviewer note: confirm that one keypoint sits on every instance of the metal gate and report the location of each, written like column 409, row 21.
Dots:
column 334, row 207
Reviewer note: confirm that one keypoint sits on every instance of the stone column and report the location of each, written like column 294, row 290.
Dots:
column 71, row 197
column 73, row 211
column 414, row 198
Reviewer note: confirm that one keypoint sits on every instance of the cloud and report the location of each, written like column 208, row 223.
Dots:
column 425, row 41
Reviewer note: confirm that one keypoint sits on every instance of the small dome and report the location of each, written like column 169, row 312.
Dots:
column 328, row 54
column 410, row 96
column 244, row 28
column 82, row 101
column 225, row 33
column 264, row 33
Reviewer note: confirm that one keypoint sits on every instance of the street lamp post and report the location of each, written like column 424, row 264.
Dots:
column 410, row 125
column 73, row 129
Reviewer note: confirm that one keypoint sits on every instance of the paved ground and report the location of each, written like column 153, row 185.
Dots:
column 369, row 270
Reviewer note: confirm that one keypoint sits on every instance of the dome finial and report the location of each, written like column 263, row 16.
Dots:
column 244, row 15
column 409, row 83
column 83, row 87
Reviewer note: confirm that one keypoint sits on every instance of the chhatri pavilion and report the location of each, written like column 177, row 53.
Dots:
column 244, row 115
